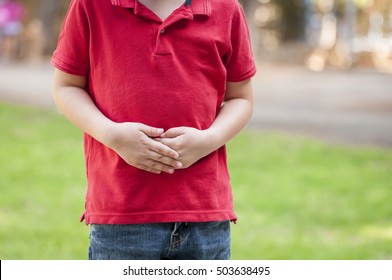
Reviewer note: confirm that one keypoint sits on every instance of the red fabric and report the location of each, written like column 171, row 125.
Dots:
column 163, row 74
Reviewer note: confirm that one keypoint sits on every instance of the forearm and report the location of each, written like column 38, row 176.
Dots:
column 235, row 113
column 133, row 142
column 79, row 109
column 232, row 118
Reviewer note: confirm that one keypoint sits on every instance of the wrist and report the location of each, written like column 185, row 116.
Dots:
column 213, row 138
column 109, row 134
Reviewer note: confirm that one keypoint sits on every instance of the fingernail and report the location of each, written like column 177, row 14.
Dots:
column 171, row 171
column 160, row 130
column 179, row 164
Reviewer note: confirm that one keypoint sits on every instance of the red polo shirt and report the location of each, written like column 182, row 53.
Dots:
column 163, row 74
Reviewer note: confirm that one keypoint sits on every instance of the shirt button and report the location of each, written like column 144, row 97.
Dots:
column 163, row 30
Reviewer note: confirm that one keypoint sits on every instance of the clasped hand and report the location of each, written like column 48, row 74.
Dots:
column 153, row 150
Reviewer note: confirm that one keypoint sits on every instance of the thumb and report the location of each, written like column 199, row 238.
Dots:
column 173, row 132
column 151, row 131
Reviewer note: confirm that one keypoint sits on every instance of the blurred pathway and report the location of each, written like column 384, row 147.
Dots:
column 340, row 106
column 353, row 107
column 26, row 84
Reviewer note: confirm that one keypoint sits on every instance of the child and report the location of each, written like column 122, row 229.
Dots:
column 158, row 87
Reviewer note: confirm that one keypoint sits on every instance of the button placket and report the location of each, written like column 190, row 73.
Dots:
column 162, row 34
column 159, row 46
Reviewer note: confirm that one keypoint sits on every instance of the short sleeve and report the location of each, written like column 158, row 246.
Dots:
column 72, row 52
column 240, row 63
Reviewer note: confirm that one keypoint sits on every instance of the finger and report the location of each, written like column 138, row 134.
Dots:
column 150, row 131
column 166, row 160
column 164, row 150
column 149, row 169
column 173, row 132
column 156, row 165
column 170, row 142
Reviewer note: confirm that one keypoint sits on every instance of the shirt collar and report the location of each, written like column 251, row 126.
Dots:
column 198, row 7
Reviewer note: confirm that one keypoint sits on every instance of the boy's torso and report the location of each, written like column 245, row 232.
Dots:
column 165, row 74
column 137, row 61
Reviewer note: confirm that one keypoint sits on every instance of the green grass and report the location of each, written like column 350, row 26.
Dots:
column 42, row 186
column 303, row 199
column 296, row 198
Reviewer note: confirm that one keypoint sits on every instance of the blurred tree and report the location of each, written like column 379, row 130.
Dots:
column 50, row 13
column 249, row 7
column 293, row 19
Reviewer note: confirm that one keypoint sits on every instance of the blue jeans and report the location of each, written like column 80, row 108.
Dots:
column 171, row 241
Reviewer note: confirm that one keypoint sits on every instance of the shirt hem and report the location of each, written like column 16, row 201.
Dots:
column 139, row 218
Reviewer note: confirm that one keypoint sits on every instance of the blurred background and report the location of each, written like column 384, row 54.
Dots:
column 339, row 49
column 319, row 33
column 312, row 173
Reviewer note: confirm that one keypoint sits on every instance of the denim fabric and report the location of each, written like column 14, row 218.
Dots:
column 173, row 241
